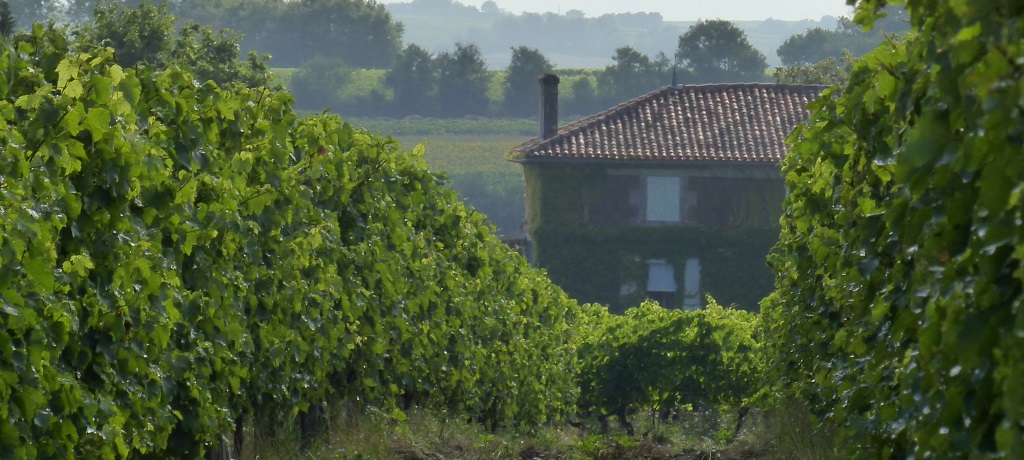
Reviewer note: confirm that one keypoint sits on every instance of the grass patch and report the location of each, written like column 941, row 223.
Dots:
column 478, row 171
column 363, row 82
column 786, row 433
column 283, row 75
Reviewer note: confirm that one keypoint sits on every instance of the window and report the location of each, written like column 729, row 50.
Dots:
column 661, row 283
column 663, row 198
column 662, row 287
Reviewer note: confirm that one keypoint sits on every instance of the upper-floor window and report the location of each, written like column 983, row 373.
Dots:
column 663, row 193
column 665, row 199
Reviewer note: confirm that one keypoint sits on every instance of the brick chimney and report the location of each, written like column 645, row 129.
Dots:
column 548, row 106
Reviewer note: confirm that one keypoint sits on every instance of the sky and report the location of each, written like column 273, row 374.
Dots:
column 682, row 10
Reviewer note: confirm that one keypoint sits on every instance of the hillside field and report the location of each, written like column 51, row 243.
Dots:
column 470, row 154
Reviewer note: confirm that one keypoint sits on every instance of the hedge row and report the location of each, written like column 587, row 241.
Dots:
column 176, row 255
column 898, row 310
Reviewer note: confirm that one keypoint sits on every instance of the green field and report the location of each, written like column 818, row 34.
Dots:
column 470, row 153
column 476, row 167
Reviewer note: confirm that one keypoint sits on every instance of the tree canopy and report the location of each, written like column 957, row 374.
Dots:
column 716, row 51
column 462, row 81
column 631, row 74
column 359, row 32
column 7, row 21
column 829, row 71
column 146, row 35
column 522, row 92
column 413, row 80
column 818, row 44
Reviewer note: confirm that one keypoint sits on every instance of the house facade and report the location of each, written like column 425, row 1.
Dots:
column 670, row 196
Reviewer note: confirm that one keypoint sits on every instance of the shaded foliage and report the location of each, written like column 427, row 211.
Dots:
column 662, row 360
column 26, row 12
column 7, row 21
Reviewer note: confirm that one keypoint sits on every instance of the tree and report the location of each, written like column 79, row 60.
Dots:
column 584, row 99
column 522, row 92
column 143, row 34
column 829, row 71
column 413, row 81
column 716, row 51
column 215, row 56
column 631, row 74
column 317, row 84
column 491, row 8
column 360, row 32
column 819, row 44
column 27, row 12
column 462, row 81
column 7, row 22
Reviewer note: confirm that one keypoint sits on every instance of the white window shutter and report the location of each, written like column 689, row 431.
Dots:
column 663, row 198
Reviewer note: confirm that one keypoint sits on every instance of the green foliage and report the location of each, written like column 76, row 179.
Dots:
column 652, row 358
column 146, row 35
column 413, row 80
column 897, row 313
column 716, row 51
column 522, row 93
column 7, row 21
column 820, row 44
column 631, row 74
column 473, row 162
column 462, row 81
column 175, row 255
column 27, row 12
column 417, row 128
column 137, row 35
column 583, row 99
column 316, row 85
column 827, row 72
column 214, row 56
column 359, row 32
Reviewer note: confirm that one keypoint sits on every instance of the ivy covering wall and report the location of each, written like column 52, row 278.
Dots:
column 592, row 262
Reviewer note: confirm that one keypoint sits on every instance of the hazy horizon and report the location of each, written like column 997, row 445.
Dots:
column 675, row 10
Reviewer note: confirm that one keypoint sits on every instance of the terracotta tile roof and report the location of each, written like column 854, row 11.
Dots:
column 744, row 122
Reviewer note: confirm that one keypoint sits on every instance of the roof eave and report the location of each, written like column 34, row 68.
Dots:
column 635, row 162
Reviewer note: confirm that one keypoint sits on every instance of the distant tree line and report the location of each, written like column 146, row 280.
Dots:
column 360, row 32
column 455, row 83
column 324, row 40
column 826, row 57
